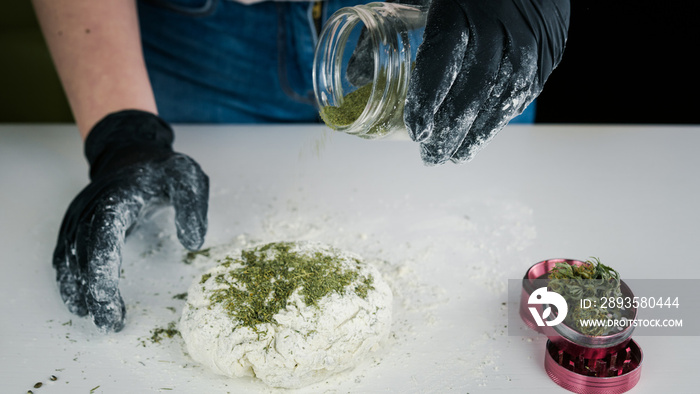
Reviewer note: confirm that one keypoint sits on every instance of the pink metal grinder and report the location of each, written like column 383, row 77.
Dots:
column 582, row 363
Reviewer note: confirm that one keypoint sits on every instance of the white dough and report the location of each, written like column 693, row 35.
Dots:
column 307, row 344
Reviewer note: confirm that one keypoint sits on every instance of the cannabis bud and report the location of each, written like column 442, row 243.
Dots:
column 583, row 287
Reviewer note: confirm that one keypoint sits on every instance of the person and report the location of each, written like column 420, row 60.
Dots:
column 130, row 68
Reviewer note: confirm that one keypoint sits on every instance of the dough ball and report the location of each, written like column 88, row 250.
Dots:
column 290, row 314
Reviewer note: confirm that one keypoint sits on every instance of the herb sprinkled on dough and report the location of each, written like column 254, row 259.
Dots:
column 205, row 278
column 364, row 286
column 264, row 278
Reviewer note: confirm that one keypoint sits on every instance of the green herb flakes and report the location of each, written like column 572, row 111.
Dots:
column 261, row 282
column 180, row 296
column 159, row 333
column 350, row 109
column 365, row 286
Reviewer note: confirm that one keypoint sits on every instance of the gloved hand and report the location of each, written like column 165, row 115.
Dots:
column 133, row 169
column 480, row 64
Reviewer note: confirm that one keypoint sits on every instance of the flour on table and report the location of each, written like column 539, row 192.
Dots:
column 302, row 344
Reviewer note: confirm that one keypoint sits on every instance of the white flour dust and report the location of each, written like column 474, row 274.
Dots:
column 454, row 282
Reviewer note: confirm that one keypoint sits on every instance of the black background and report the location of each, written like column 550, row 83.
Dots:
column 627, row 62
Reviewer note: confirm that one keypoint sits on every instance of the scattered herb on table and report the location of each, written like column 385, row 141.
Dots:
column 190, row 256
column 181, row 296
column 159, row 333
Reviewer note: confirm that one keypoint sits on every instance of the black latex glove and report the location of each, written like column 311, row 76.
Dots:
column 133, row 169
column 481, row 63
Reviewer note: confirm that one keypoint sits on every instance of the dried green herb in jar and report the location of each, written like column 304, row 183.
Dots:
column 590, row 281
column 375, row 36
column 349, row 110
column 354, row 104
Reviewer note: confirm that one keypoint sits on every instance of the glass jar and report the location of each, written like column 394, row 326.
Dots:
column 362, row 66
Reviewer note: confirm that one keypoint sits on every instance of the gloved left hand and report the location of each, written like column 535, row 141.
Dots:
column 480, row 64
column 133, row 169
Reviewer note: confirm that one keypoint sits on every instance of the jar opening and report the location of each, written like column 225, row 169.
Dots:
column 352, row 66
column 362, row 65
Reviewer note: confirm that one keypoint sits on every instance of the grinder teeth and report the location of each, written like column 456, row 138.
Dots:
column 614, row 364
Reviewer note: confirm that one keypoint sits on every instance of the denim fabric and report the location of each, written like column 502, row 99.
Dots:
column 219, row 61
column 528, row 115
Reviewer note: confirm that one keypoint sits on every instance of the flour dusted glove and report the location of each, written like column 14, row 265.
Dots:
column 133, row 169
column 480, row 64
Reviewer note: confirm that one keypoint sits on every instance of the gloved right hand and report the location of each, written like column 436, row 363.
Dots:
column 133, row 169
column 480, row 64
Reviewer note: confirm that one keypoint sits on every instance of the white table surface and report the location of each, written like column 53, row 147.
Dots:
column 447, row 238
